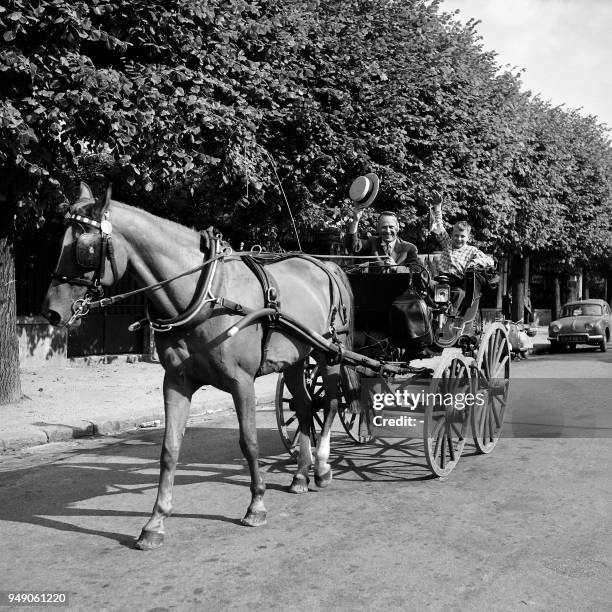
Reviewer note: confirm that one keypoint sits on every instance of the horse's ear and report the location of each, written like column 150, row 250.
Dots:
column 85, row 193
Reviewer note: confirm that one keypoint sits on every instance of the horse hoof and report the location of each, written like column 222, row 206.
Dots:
column 323, row 480
column 299, row 485
column 254, row 519
column 149, row 540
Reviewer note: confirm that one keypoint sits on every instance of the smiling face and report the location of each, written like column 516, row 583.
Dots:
column 461, row 235
column 388, row 227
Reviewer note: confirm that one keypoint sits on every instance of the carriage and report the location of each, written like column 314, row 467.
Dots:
column 223, row 318
column 407, row 322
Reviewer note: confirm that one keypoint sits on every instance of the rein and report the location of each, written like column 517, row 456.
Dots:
column 88, row 257
column 85, row 247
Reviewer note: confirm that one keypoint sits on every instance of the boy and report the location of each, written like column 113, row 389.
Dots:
column 457, row 255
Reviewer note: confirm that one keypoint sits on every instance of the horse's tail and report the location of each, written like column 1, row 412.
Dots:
column 346, row 300
column 351, row 382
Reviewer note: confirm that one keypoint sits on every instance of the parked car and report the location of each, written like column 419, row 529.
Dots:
column 582, row 322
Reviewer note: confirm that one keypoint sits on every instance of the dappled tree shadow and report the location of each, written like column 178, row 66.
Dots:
column 209, row 455
column 41, row 338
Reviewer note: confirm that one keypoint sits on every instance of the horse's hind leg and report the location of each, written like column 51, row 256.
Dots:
column 323, row 471
column 294, row 379
column 244, row 401
column 177, row 399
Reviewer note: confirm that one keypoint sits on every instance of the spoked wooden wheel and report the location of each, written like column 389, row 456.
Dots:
column 286, row 418
column 287, row 421
column 445, row 422
column 493, row 369
column 357, row 425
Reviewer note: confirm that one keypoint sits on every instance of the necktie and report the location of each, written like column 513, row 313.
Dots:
column 387, row 252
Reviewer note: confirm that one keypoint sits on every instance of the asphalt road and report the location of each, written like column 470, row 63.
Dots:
column 525, row 528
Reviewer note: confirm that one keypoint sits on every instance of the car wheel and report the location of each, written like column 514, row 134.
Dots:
column 571, row 347
column 555, row 346
column 603, row 345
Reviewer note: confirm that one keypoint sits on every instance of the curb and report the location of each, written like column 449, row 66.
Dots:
column 47, row 434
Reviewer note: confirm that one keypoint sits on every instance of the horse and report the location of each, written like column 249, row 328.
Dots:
column 202, row 334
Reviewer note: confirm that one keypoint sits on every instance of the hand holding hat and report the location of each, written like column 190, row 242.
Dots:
column 363, row 191
column 436, row 199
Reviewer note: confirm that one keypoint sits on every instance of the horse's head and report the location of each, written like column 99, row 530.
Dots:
column 89, row 260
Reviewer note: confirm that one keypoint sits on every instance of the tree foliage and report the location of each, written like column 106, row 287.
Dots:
column 203, row 110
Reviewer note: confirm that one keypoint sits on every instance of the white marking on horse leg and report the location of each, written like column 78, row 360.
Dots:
column 294, row 379
column 322, row 454
column 322, row 467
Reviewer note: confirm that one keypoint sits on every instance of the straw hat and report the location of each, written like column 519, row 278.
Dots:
column 364, row 190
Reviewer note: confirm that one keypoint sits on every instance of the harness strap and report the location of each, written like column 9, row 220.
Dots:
column 271, row 294
column 111, row 255
column 266, row 280
column 203, row 295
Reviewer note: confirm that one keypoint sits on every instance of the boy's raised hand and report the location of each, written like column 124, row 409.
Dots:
column 436, row 200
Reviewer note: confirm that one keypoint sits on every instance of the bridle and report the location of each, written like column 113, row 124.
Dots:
column 92, row 251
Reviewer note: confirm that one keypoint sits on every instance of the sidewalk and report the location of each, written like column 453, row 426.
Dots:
column 71, row 401
column 64, row 402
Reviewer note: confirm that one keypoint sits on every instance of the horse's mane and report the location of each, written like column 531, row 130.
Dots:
column 93, row 209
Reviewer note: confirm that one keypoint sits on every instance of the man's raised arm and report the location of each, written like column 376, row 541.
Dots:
column 351, row 240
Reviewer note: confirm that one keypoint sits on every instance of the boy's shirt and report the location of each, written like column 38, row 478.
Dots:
column 456, row 261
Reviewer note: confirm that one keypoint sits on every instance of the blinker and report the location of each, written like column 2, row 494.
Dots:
column 88, row 251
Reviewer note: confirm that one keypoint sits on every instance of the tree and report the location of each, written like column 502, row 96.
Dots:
column 10, row 384
column 215, row 112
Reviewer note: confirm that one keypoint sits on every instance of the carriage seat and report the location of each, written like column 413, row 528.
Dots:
column 431, row 261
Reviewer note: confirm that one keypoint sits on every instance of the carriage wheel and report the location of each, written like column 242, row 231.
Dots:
column 493, row 366
column 356, row 424
column 352, row 424
column 286, row 418
column 444, row 426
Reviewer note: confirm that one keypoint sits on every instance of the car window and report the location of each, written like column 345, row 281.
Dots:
column 578, row 310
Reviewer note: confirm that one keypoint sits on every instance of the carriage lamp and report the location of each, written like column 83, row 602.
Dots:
column 442, row 294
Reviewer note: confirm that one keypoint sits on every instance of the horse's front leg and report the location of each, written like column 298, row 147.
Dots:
column 177, row 399
column 322, row 470
column 244, row 401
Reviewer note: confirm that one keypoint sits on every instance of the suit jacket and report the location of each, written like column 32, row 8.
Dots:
column 404, row 252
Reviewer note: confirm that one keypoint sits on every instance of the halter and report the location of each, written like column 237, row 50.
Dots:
column 92, row 251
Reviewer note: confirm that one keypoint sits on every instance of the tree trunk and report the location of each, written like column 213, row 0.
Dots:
column 528, row 308
column 557, row 303
column 10, row 383
column 518, row 288
column 573, row 288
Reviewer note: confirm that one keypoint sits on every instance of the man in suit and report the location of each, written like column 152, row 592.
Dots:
column 393, row 254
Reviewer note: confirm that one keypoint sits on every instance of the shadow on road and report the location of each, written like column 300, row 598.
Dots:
column 45, row 494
